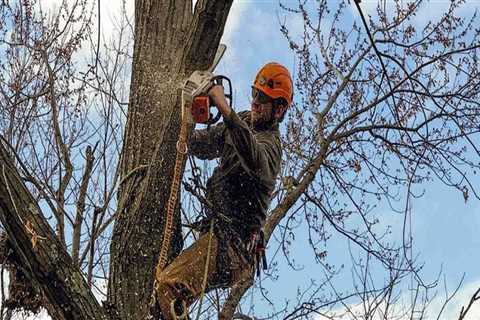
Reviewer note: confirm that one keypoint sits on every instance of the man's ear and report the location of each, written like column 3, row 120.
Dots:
column 279, row 111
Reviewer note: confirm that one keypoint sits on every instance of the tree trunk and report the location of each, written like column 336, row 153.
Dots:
column 170, row 42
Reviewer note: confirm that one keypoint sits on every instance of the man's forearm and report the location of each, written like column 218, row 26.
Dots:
column 207, row 144
column 218, row 96
column 224, row 108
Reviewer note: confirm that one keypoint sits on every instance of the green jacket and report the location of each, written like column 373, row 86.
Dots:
column 241, row 186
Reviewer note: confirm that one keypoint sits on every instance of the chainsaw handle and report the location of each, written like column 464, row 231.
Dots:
column 218, row 80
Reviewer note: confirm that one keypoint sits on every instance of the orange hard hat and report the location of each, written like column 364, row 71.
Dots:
column 274, row 80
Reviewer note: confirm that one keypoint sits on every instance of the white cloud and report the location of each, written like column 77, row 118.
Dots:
column 237, row 14
column 252, row 35
column 110, row 12
column 232, row 62
column 50, row 5
column 99, row 291
column 42, row 315
column 462, row 298
column 451, row 310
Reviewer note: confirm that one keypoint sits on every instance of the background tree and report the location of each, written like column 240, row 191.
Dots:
column 381, row 107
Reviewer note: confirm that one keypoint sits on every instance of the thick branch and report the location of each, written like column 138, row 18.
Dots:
column 64, row 152
column 235, row 296
column 77, row 226
column 273, row 220
column 41, row 256
column 207, row 29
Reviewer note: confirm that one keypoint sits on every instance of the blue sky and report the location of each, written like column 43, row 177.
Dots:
column 445, row 228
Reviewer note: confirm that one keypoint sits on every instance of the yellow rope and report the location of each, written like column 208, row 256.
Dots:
column 205, row 274
column 182, row 150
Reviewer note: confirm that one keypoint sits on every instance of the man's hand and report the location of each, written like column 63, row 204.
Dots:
column 217, row 95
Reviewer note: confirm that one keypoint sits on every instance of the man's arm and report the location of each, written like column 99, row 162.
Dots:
column 260, row 157
column 207, row 144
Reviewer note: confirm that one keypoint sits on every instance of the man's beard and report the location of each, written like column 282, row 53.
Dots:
column 258, row 120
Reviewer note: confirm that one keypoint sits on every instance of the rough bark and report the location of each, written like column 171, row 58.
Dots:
column 21, row 293
column 170, row 42
column 41, row 256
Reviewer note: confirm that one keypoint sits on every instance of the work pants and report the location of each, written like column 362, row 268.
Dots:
column 181, row 282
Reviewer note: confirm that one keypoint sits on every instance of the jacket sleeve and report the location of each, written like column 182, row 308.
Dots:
column 260, row 155
column 207, row 144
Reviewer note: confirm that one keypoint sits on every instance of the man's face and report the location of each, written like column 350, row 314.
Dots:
column 261, row 108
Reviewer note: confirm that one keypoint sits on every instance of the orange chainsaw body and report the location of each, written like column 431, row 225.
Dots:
column 201, row 109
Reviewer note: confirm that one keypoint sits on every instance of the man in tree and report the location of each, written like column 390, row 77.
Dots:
column 238, row 192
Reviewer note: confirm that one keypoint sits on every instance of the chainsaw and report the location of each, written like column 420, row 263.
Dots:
column 195, row 93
